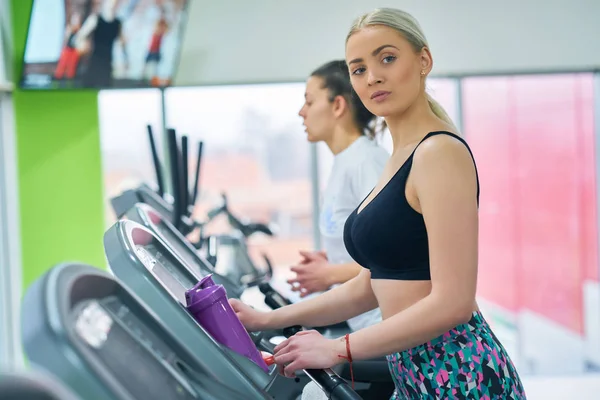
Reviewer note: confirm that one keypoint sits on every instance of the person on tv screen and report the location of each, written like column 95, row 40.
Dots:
column 104, row 28
column 69, row 56
column 154, row 54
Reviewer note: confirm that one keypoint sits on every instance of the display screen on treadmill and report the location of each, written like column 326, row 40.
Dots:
column 181, row 249
column 134, row 355
column 164, row 268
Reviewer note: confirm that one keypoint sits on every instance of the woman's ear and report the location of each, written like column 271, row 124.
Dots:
column 426, row 60
column 340, row 105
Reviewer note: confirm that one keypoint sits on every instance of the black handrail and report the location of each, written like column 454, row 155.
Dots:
column 175, row 177
column 197, row 179
column 156, row 161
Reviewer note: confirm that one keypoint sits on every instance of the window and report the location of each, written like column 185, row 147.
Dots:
column 126, row 155
column 254, row 151
column 533, row 138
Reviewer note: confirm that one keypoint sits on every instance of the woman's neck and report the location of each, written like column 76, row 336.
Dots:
column 411, row 125
column 342, row 139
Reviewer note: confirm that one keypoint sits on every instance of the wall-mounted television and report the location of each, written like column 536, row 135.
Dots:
column 103, row 44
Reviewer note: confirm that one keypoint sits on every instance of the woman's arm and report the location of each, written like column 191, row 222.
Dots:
column 353, row 298
column 341, row 273
column 444, row 179
column 86, row 29
column 68, row 31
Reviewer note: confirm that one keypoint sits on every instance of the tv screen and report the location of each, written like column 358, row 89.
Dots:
column 103, row 44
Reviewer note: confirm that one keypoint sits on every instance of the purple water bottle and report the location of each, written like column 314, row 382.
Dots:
column 209, row 306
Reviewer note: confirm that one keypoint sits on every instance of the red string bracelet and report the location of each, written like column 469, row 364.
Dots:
column 348, row 357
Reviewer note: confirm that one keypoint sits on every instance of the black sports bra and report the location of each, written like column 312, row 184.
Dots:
column 388, row 236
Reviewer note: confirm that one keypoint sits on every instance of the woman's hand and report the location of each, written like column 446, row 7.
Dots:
column 308, row 256
column 252, row 319
column 311, row 274
column 309, row 349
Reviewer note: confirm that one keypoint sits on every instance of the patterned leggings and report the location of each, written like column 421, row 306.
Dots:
column 467, row 362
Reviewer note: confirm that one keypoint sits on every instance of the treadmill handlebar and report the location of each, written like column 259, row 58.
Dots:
column 197, row 176
column 265, row 288
column 215, row 212
column 332, row 384
column 185, row 192
column 175, row 177
column 275, row 300
column 255, row 227
column 156, row 161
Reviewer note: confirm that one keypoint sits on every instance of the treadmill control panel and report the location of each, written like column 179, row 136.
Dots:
column 165, row 270
column 141, row 361
column 181, row 249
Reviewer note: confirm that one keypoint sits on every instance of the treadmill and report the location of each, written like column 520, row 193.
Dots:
column 102, row 341
column 147, row 265
column 370, row 375
column 32, row 386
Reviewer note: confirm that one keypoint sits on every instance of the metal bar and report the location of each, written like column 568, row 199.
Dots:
column 316, row 207
column 10, row 241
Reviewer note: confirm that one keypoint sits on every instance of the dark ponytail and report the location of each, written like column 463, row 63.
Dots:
column 336, row 79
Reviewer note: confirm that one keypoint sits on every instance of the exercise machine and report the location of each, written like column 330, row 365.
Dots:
column 148, row 266
column 370, row 375
column 227, row 252
column 102, row 341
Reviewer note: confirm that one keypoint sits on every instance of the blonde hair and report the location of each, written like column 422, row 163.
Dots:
column 407, row 26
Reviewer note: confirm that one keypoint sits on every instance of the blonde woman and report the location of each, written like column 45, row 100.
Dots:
column 415, row 235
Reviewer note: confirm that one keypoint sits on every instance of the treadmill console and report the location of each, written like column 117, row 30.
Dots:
column 174, row 278
column 82, row 325
column 144, row 364
column 146, row 264
column 194, row 263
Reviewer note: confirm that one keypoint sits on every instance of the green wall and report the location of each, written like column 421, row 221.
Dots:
column 59, row 170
